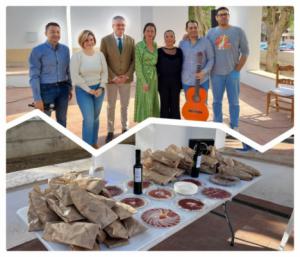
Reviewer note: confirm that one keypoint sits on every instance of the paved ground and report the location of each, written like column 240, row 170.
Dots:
column 253, row 121
column 255, row 230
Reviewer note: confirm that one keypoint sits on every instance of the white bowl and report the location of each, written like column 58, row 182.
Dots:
column 185, row 188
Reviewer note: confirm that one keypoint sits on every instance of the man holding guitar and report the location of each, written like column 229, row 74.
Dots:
column 231, row 51
column 198, row 60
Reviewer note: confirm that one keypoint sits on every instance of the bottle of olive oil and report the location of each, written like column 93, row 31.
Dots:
column 138, row 174
column 197, row 161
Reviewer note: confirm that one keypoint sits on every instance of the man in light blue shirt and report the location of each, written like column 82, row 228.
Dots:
column 49, row 74
column 191, row 47
column 231, row 51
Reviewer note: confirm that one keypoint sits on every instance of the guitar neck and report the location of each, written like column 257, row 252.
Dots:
column 198, row 80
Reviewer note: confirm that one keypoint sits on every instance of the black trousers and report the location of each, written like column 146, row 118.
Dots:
column 169, row 100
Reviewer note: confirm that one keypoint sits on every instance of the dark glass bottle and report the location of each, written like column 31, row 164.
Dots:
column 197, row 160
column 138, row 174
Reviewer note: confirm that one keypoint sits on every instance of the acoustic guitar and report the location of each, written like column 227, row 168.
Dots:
column 195, row 106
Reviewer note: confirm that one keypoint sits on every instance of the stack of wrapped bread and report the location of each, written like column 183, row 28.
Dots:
column 214, row 162
column 76, row 210
column 162, row 167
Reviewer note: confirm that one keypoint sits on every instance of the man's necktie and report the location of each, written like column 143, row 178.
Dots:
column 120, row 46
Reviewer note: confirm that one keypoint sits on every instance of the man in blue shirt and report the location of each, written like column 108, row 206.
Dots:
column 231, row 52
column 49, row 74
column 191, row 46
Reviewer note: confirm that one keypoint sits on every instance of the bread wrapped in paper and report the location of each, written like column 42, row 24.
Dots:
column 234, row 171
column 34, row 223
column 157, row 178
column 116, row 230
column 133, row 227
column 66, row 213
column 91, row 184
column 39, row 204
column 101, row 236
column 79, row 234
column 123, row 210
column 209, row 161
column 62, row 192
column 94, row 210
column 163, row 169
column 104, row 192
column 167, row 158
column 110, row 202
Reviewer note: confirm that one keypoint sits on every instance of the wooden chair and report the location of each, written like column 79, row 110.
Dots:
column 282, row 94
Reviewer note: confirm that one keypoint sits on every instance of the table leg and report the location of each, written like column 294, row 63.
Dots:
column 229, row 223
column 226, row 216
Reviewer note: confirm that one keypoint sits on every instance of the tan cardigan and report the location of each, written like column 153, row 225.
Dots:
column 118, row 64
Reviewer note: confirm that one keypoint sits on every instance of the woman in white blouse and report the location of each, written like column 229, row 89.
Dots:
column 89, row 75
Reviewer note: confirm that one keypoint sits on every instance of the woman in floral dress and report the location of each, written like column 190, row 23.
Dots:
column 146, row 95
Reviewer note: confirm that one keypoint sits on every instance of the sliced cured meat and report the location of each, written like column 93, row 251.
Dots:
column 161, row 218
column 215, row 193
column 160, row 193
column 195, row 181
column 190, row 204
column 224, row 180
column 114, row 190
column 135, row 202
column 146, row 184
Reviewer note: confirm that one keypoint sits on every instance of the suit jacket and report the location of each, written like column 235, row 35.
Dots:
column 118, row 64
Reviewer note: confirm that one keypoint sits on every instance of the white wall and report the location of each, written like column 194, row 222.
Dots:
column 170, row 18
column 20, row 20
column 158, row 137
column 99, row 20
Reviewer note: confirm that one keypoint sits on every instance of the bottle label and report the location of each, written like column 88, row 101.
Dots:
column 138, row 175
column 198, row 163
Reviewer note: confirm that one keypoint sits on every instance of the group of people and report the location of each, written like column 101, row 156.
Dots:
column 161, row 73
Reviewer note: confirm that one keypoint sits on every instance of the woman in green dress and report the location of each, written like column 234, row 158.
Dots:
column 146, row 95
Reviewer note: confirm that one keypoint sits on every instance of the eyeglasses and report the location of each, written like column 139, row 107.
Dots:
column 223, row 14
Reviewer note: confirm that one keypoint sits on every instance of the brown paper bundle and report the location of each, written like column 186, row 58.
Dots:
column 209, row 161
column 123, row 210
column 116, row 230
column 34, row 223
column 166, row 158
column 104, row 192
column 101, row 236
column 108, row 201
column 156, row 177
column 79, row 233
column 133, row 227
column 66, row 213
column 91, row 184
column 163, row 169
column 62, row 192
column 39, row 203
column 234, row 171
column 94, row 210
column 113, row 242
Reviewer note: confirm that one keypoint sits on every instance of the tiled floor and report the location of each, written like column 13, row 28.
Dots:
column 253, row 121
column 255, row 230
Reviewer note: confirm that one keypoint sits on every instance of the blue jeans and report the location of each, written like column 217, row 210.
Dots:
column 57, row 94
column 90, row 107
column 230, row 82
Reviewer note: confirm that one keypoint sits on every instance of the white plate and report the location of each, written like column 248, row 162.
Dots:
column 185, row 188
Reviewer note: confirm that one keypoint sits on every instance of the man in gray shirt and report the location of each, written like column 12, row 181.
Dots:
column 231, row 51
